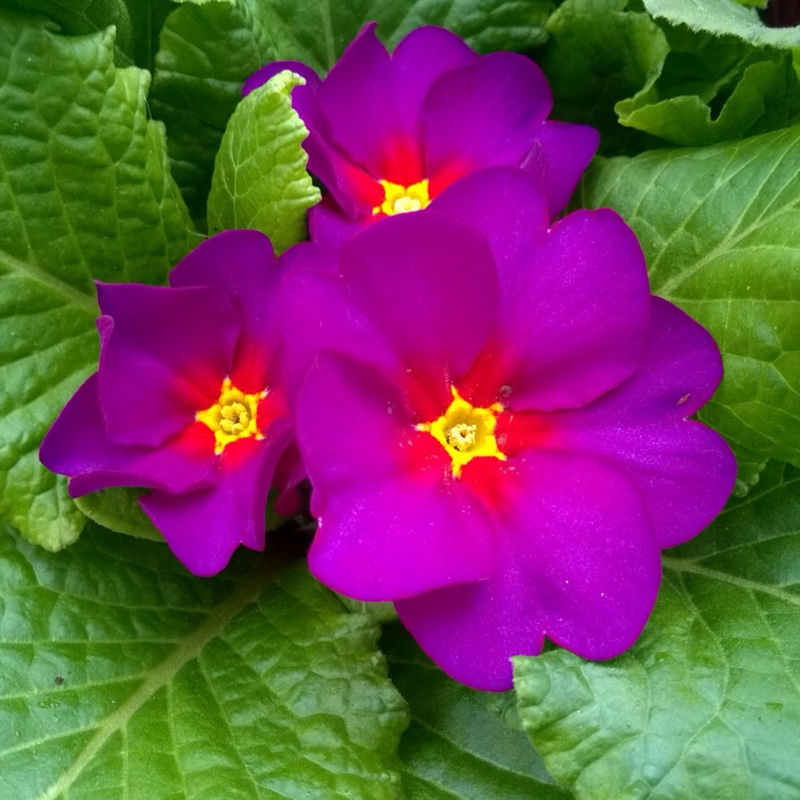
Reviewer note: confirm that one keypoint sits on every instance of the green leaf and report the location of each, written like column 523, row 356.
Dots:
column 719, row 229
column 118, row 510
column 707, row 703
column 715, row 89
column 260, row 179
column 722, row 17
column 457, row 746
column 85, row 192
column 208, row 51
column 600, row 53
column 125, row 677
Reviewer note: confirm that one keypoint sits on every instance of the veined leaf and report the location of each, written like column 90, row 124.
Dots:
column 719, row 228
column 260, row 179
column 126, row 677
column 457, row 744
column 85, row 192
column 707, row 703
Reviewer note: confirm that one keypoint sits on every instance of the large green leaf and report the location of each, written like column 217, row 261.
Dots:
column 458, row 745
column 85, row 192
column 125, row 677
column 707, row 703
column 208, row 51
column 723, row 17
column 719, row 227
column 260, row 179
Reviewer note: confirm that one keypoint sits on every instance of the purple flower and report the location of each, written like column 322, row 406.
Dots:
column 387, row 133
column 496, row 421
column 187, row 401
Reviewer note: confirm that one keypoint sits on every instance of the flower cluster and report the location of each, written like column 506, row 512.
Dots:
column 494, row 413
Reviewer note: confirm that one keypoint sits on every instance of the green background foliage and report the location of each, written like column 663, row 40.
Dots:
column 123, row 676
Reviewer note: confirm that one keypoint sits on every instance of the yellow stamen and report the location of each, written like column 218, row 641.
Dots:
column 400, row 199
column 234, row 416
column 466, row 432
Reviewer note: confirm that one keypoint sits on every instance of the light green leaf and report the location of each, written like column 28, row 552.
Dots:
column 707, row 703
column 260, row 179
column 457, row 746
column 723, row 17
column 125, row 677
column 118, row 510
column 719, row 229
column 715, row 89
column 208, row 51
column 600, row 53
column 85, row 192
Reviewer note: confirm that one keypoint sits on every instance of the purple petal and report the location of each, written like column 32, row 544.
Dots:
column 683, row 470
column 391, row 522
column 329, row 225
column 77, row 445
column 164, row 360
column 204, row 527
column 560, row 153
column 241, row 265
column 359, row 103
column 482, row 115
column 429, row 283
column 579, row 565
column 575, row 311
column 319, row 314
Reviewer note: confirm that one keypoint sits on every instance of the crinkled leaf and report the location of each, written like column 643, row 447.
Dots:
column 125, row 677
column 457, row 745
column 85, row 192
column 707, row 703
column 719, row 227
column 715, row 89
column 137, row 22
column 260, row 179
column 723, row 17
column 208, row 51
column 600, row 53
column 118, row 509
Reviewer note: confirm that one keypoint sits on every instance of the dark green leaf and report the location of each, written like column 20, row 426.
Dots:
column 719, row 228
column 85, row 192
column 457, row 746
column 707, row 703
column 125, row 677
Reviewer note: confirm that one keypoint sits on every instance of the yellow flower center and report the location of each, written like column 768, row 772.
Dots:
column 400, row 199
column 466, row 432
column 233, row 416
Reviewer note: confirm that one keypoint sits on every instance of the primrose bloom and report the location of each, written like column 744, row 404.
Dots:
column 387, row 133
column 496, row 421
column 187, row 401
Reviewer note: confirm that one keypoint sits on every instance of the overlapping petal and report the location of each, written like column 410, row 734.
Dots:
column 389, row 525
column 161, row 335
column 683, row 470
column 555, row 577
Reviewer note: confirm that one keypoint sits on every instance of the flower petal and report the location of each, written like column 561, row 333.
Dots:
column 77, row 445
column 578, row 564
column 164, row 359
column 204, row 527
column 241, row 265
column 430, row 284
column 483, row 114
column 574, row 313
column 563, row 151
column 683, row 470
column 391, row 522
column 261, row 76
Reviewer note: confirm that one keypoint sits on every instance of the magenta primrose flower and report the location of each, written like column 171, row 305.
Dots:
column 187, row 401
column 388, row 133
column 497, row 423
